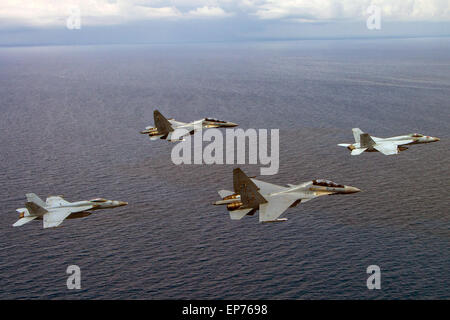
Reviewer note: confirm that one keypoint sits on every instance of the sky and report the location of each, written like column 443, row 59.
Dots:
column 35, row 22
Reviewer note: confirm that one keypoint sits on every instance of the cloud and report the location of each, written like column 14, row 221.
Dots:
column 44, row 13
column 323, row 10
column 208, row 12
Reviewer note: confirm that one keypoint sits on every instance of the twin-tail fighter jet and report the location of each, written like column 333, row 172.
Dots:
column 167, row 128
column 56, row 209
column 272, row 200
column 366, row 143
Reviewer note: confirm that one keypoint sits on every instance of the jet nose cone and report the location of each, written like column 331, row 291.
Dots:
column 122, row 203
column 231, row 124
column 349, row 189
column 436, row 139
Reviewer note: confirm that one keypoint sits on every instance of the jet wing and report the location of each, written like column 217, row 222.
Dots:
column 386, row 148
column 267, row 188
column 175, row 123
column 184, row 130
column 55, row 218
column 56, row 201
column 275, row 207
column 402, row 142
column 189, row 128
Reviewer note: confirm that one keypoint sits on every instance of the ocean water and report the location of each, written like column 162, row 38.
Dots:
column 70, row 122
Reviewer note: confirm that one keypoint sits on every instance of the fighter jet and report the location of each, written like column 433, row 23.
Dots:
column 271, row 200
column 55, row 209
column 167, row 128
column 366, row 143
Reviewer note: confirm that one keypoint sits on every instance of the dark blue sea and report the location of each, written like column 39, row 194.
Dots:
column 70, row 122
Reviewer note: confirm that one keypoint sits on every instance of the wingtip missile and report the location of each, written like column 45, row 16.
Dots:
column 276, row 220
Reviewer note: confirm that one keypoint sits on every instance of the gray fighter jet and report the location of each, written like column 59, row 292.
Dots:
column 173, row 131
column 272, row 200
column 56, row 209
column 366, row 143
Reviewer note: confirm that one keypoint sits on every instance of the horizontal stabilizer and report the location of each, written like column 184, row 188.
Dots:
column 24, row 212
column 23, row 220
column 239, row 214
column 225, row 193
column 344, row 145
column 356, row 152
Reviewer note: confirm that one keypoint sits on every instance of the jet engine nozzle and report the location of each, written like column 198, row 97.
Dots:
column 151, row 131
column 232, row 196
column 234, row 206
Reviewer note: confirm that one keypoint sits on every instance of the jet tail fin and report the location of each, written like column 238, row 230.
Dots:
column 35, row 209
column 366, row 141
column 250, row 196
column 161, row 123
column 31, row 197
column 357, row 132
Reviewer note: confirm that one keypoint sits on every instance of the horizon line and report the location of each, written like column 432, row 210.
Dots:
column 48, row 44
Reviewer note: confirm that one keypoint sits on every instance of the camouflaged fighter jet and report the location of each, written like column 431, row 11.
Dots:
column 167, row 128
column 272, row 200
column 56, row 209
column 366, row 143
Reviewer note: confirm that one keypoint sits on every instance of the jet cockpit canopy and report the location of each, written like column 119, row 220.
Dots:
column 326, row 183
column 214, row 120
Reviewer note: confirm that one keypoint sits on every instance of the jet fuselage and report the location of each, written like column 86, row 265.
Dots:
column 79, row 209
column 304, row 191
column 387, row 146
